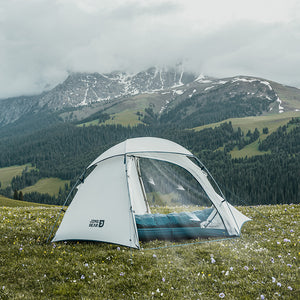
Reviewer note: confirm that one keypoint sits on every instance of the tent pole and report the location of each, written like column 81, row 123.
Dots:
column 203, row 167
column 218, row 189
column 80, row 179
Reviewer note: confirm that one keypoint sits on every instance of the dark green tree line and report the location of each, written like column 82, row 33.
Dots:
column 65, row 150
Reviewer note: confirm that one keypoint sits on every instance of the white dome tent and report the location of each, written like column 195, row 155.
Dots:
column 113, row 203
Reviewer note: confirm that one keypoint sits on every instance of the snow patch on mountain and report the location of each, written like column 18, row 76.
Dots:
column 242, row 79
column 209, row 87
column 164, row 107
column 267, row 84
column 280, row 108
column 202, row 79
column 221, row 82
column 179, row 92
column 191, row 95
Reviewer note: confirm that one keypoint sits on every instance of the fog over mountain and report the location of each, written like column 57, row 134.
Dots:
column 169, row 92
column 42, row 42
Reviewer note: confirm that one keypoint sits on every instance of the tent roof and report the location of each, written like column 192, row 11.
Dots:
column 142, row 145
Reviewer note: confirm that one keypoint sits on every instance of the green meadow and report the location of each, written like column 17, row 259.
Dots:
column 7, row 174
column 272, row 121
column 125, row 112
column 248, row 150
column 262, row 264
column 124, row 118
column 49, row 186
column 16, row 203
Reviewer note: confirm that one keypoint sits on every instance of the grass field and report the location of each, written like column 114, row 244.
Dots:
column 125, row 112
column 262, row 264
column 289, row 95
column 47, row 186
column 7, row 174
column 124, row 118
column 248, row 150
column 16, row 203
column 272, row 121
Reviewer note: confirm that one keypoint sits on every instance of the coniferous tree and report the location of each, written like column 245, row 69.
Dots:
column 265, row 130
column 16, row 195
column 21, row 197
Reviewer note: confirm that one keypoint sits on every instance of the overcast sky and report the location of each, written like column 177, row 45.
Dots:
column 41, row 41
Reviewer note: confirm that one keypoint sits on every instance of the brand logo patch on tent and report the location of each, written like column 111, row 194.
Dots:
column 96, row 223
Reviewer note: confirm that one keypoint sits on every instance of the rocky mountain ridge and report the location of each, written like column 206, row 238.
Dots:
column 81, row 89
column 171, row 86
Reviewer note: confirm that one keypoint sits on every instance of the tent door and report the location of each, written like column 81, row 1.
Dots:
column 136, row 188
column 142, row 184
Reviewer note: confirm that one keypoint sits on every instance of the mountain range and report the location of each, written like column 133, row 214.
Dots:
column 168, row 95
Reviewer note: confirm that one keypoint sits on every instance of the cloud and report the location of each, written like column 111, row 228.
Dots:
column 248, row 48
column 41, row 41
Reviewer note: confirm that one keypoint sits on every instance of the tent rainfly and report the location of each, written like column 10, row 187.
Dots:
column 113, row 202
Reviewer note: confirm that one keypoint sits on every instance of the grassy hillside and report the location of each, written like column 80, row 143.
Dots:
column 125, row 112
column 249, row 151
column 7, row 174
column 16, row 203
column 49, row 186
column 124, row 118
column 139, row 103
column 272, row 121
column 262, row 264
column 289, row 96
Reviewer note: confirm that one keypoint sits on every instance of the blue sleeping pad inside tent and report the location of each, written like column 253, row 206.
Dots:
column 175, row 226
